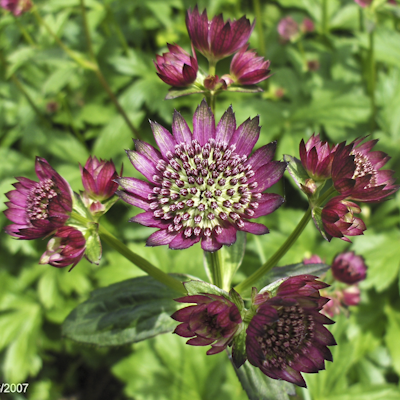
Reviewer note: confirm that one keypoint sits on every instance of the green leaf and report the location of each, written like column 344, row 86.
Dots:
column 239, row 355
column 125, row 312
column 392, row 337
column 93, row 247
column 260, row 387
column 231, row 258
column 317, row 218
column 200, row 287
column 296, row 170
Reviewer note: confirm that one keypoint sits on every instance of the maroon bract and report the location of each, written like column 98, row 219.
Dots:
column 38, row 208
column 203, row 186
column 216, row 39
column 287, row 334
column 288, row 28
column 247, row 68
column 98, row 178
column 349, row 268
column 17, row 7
column 351, row 295
column 65, row 248
column 213, row 321
column 316, row 157
column 338, row 219
column 177, row 67
column 357, row 174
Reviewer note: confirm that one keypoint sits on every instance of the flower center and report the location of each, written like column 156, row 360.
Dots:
column 201, row 187
column 38, row 199
column 284, row 339
column 364, row 167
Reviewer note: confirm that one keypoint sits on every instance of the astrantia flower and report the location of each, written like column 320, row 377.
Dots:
column 349, row 268
column 338, row 219
column 38, row 208
column 177, row 67
column 65, row 248
column 287, row 334
column 288, row 28
column 351, row 295
column 356, row 172
column 213, row 321
column 98, row 178
column 17, row 7
column 247, row 68
column 307, row 25
column 316, row 157
column 216, row 39
column 203, row 186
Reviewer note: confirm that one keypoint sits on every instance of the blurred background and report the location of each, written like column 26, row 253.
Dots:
column 341, row 79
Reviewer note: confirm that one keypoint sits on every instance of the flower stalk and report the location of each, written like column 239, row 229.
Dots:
column 216, row 265
column 259, row 27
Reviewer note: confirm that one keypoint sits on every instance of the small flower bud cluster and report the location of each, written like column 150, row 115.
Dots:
column 290, row 31
column 215, row 40
column 44, row 208
column 17, row 7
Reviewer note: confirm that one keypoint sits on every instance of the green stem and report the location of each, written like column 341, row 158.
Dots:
column 216, row 268
column 324, row 17
column 100, row 75
column 259, row 27
column 140, row 262
column 118, row 31
column 266, row 267
column 25, row 33
column 372, row 80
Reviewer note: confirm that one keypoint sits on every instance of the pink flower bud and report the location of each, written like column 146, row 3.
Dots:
column 349, row 268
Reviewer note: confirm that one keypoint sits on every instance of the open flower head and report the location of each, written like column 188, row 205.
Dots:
column 65, row 248
column 357, row 173
column 203, row 186
column 214, row 320
column 177, row 67
column 38, row 208
column 287, row 336
column 339, row 221
column 316, row 157
column 216, row 39
column 247, row 68
column 17, row 7
column 349, row 268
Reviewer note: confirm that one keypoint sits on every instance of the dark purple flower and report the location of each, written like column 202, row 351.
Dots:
column 203, row 186
column 65, row 248
column 177, row 67
column 213, row 321
column 288, row 28
column 316, row 157
column 98, row 178
column 287, row 334
column 17, row 7
column 216, row 39
column 338, row 219
column 349, row 268
column 357, row 174
column 248, row 69
column 38, row 208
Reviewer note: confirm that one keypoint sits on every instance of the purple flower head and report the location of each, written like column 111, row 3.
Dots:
column 98, row 178
column 357, row 174
column 38, row 208
column 203, row 186
column 287, row 334
column 17, row 7
column 316, row 157
column 216, row 39
column 65, row 248
column 338, row 219
column 288, row 28
column 363, row 3
column 213, row 321
column 349, row 268
column 307, row 25
column 177, row 67
column 247, row 68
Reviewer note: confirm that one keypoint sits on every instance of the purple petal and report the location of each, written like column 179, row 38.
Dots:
column 182, row 242
column 133, row 200
column 246, row 136
column 136, row 186
column 147, row 150
column 160, row 238
column 262, row 156
column 227, row 236
column 16, row 214
column 17, row 198
column 148, row 219
column 270, row 203
column 255, row 228
column 203, row 124
column 226, row 127
column 164, row 139
column 210, row 244
column 180, row 129
column 143, row 165
column 200, row 341
column 268, row 175
column 184, row 314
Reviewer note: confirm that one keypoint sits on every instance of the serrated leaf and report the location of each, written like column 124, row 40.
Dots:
column 200, row 287
column 296, row 170
column 125, row 312
column 259, row 386
column 316, row 214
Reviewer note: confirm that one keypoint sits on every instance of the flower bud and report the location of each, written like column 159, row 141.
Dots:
column 349, row 268
column 17, row 7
